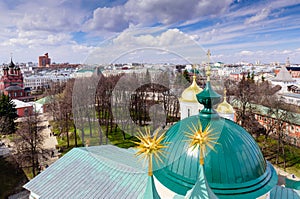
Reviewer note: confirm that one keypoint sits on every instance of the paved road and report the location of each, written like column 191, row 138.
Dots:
column 50, row 140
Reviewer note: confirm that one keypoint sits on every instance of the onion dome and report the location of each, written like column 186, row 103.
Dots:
column 189, row 94
column 5, row 67
column 234, row 167
column 11, row 64
column 225, row 107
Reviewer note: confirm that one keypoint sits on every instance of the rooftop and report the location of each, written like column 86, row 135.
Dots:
column 284, row 76
column 95, row 172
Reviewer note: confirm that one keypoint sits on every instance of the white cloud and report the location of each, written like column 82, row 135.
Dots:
column 265, row 56
column 246, row 53
column 37, row 38
column 286, row 52
column 170, row 41
column 111, row 19
column 149, row 12
column 263, row 14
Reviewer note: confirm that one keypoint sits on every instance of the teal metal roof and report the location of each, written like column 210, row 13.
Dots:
column 237, row 168
column 201, row 189
column 208, row 97
column 93, row 172
column 151, row 192
column 294, row 184
column 44, row 100
column 279, row 192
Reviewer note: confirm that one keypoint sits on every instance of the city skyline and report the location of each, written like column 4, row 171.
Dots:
column 71, row 31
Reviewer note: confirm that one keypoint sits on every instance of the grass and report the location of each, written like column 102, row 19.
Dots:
column 269, row 149
column 11, row 177
column 63, row 144
column 115, row 138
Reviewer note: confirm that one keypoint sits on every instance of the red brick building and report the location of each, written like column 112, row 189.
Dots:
column 44, row 60
column 264, row 118
column 23, row 108
column 11, row 82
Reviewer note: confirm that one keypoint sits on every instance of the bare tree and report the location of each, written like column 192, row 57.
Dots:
column 245, row 93
column 83, row 107
column 29, row 141
column 281, row 116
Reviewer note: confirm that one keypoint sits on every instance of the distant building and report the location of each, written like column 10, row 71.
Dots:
column 11, row 82
column 294, row 71
column 44, row 60
column 23, row 108
column 37, row 82
column 263, row 116
column 291, row 98
column 283, row 79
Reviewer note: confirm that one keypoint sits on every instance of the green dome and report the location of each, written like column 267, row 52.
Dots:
column 235, row 168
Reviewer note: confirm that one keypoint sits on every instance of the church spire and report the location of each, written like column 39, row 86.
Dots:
column 225, row 97
column 208, row 72
column 11, row 64
column 208, row 97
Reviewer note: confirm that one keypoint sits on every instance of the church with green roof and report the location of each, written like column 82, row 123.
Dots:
column 204, row 156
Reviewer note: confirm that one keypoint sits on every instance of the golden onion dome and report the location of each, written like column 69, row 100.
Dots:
column 189, row 94
column 225, row 107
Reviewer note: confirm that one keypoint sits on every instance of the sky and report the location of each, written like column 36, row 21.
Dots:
column 105, row 31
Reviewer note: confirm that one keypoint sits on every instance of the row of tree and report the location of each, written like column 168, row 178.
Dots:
column 99, row 106
column 259, row 98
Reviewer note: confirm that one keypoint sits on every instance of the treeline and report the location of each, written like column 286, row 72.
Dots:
column 258, row 100
column 100, row 106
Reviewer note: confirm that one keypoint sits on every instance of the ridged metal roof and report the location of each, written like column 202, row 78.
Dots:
column 279, row 192
column 93, row 172
column 236, row 168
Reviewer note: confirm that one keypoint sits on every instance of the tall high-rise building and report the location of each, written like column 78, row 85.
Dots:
column 44, row 60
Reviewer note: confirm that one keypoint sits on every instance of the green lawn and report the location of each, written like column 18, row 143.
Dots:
column 114, row 138
column 11, row 178
column 269, row 150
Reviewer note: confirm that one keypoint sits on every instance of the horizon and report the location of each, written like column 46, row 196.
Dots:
column 73, row 31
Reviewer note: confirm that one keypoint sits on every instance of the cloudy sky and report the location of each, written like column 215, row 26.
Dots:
column 73, row 30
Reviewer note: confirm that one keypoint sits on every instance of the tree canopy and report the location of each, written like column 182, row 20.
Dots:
column 8, row 114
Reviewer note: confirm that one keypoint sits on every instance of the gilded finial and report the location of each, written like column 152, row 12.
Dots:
column 194, row 75
column 150, row 147
column 225, row 97
column 201, row 139
column 208, row 72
